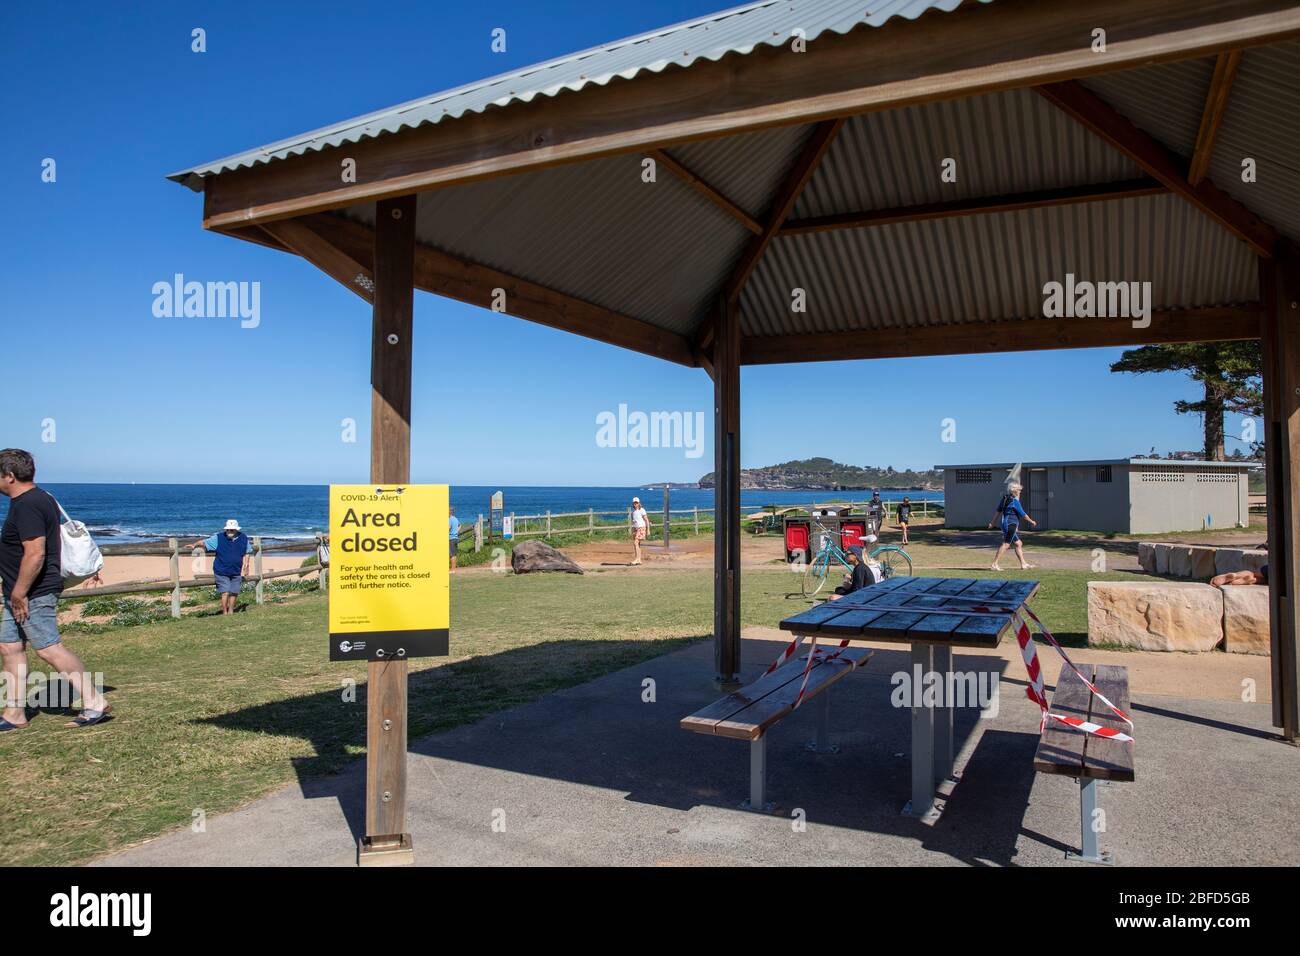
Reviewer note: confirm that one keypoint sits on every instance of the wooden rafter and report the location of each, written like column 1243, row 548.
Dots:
column 975, row 206
column 819, row 142
column 298, row 236
column 709, row 192
column 1095, row 114
column 1216, row 103
column 444, row 274
column 903, row 63
column 1013, row 335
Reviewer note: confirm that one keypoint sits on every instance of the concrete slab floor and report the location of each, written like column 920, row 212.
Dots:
column 595, row 775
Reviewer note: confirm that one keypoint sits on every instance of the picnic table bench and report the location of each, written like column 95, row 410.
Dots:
column 933, row 616
column 1087, row 757
column 750, row 712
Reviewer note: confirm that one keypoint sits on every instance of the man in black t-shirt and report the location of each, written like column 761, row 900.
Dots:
column 32, row 579
column 860, row 577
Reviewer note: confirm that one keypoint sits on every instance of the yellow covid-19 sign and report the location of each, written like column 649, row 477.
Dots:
column 389, row 590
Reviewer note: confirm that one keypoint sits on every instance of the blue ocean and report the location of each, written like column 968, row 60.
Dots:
column 130, row 513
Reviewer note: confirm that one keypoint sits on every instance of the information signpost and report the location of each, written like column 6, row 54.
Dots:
column 389, row 600
column 496, row 514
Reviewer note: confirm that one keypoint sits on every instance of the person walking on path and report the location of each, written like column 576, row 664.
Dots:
column 875, row 512
column 904, row 515
column 640, row 528
column 230, row 564
column 32, row 576
column 453, row 525
column 1009, row 515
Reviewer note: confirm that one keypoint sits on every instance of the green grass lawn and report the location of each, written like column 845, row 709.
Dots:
column 212, row 712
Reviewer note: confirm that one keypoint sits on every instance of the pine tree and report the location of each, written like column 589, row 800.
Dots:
column 1229, row 372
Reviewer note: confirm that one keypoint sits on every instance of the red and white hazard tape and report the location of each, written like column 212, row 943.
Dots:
column 814, row 656
column 1036, row 692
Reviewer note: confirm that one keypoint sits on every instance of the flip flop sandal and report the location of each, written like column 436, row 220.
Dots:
column 6, row 725
column 88, row 718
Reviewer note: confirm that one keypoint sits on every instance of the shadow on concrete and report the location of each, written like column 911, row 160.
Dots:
column 620, row 732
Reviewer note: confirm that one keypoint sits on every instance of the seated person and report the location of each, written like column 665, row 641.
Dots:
column 861, row 576
column 1241, row 577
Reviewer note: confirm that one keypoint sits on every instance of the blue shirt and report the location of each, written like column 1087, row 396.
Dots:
column 211, row 543
column 1012, row 512
column 454, row 526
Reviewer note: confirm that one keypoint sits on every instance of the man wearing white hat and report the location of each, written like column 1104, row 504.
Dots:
column 230, row 564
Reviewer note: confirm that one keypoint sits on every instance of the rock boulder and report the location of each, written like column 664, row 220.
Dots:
column 1147, row 556
column 1227, row 560
column 1245, row 619
column 530, row 556
column 1155, row 616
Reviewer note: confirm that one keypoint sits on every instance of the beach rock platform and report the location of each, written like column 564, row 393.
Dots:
column 531, row 556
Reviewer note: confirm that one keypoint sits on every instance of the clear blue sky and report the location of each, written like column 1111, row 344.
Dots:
column 114, row 94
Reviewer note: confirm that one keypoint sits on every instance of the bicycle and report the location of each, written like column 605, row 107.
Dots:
column 892, row 559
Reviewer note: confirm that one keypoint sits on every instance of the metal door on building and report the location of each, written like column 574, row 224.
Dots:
column 1035, row 497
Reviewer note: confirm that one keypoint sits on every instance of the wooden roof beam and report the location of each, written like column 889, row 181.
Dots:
column 446, row 275
column 1216, row 103
column 819, row 142
column 1084, row 106
column 1012, row 335
column 298, row 236
column 975, row 207
column 713, row 195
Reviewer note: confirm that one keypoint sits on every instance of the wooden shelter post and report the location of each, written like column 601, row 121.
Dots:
column 1280, row 294
column 386, row 839
column 726, row 490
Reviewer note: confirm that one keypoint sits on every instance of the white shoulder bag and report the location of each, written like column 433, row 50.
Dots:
column 79, row 555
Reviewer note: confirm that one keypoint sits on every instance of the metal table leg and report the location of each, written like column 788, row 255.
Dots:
column 823, row 745
column 757, row 777
column 943, row 718
column 1089, row 841
column 922, row 803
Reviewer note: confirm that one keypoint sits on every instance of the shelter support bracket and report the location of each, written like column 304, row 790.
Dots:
column 1280, row 292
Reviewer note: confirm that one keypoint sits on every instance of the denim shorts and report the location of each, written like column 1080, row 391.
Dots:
column 229, row 584
column 41, row 629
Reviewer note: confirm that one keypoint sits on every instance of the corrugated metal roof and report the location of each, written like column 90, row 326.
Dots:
column 737, row 30
column 1262, row 122
column 657, row 251
column 1002, row 143
column 1259, row 122
column 994, row 266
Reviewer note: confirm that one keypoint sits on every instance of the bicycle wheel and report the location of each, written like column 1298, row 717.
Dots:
column 814, row 576
column 893, row 561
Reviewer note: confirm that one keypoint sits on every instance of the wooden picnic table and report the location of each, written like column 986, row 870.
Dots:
column 933, row 615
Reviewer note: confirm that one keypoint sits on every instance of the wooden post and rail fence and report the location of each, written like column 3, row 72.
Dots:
column 550, row 523
column 545, row 526
column 175, row 584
